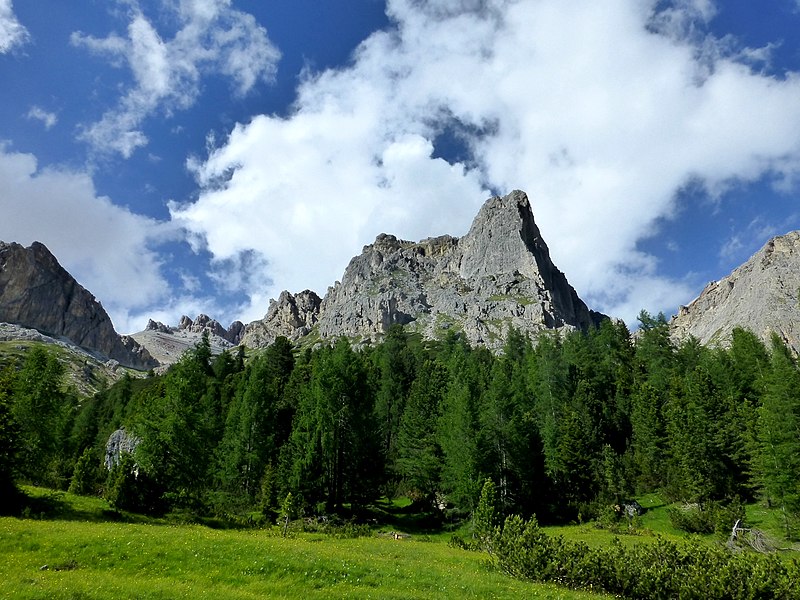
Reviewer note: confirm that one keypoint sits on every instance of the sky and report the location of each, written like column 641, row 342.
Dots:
column 199, row 156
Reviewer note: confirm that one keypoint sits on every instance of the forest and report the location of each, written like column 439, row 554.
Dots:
column 567, row 428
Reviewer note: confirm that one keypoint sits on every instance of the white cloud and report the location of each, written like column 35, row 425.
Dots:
column 212, row 38
column 600, row 111
column 12, row 32
column 48, row 119
column 109, row 250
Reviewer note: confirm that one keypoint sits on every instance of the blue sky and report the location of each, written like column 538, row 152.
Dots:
column 186, row 156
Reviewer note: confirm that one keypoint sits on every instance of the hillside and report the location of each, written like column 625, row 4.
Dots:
column 36, row 292
column 762, row 295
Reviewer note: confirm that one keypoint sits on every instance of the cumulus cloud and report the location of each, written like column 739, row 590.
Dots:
column 109, row 250
column 12, row 32
column 211, row 37
column 602, row 112
column 48, row 119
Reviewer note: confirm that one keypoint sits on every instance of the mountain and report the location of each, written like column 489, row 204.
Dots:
column 167, row 343
column 37, row 292
column 498, row 275
column 762, row 295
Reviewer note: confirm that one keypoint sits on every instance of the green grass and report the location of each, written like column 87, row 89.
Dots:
column 76, row 547
column 521, row 300
column 78, row 555
column 653, row 523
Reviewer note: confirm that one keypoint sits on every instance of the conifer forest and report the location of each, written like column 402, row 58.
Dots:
column 564, row 427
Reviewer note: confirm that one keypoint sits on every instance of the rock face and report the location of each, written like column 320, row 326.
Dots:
column 762, row 295
column 204, row 323
column 167, row 344
column 291, row 316
column 119, row 442
column 498, row 275
column 37, row 292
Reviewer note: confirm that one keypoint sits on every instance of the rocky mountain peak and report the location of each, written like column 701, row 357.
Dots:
column 498, row 275
column 204, row 324
column 37, row 292
column 291, row 315
column 504, row 239
column 762, row 295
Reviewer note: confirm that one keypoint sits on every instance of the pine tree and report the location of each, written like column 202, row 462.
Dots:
column 509, row 443
column 396, row 367
column 175, row 451
column 84, row 477
column 458, row 429
column 694, row 466
column 487, row 517
column 419, row 455
column 647, row 437
column 779, row 436
column 38, row 405
column 9, row 439
column 551, row 385
column 334, row 455
column 257, row 423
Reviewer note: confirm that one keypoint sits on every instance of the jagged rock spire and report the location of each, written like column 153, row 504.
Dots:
column 498, row 275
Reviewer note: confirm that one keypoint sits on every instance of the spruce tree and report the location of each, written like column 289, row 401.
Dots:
column 419, row 455
column 458, row 429
column 9, row 439
column 779, row 437
column 38, row 405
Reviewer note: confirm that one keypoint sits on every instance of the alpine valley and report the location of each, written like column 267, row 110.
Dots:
column 444, row 389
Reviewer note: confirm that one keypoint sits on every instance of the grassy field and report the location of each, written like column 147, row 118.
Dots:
column 77, row 553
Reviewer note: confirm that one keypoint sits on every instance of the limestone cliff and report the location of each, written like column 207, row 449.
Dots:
column 167, row 344
column 37, row 292
column 762, row 295
column 498, row 275
column 292, row 316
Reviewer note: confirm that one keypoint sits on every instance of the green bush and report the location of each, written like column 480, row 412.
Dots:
column 129, row 489
column 710, row 517
column 663, row 569
column 84, row 476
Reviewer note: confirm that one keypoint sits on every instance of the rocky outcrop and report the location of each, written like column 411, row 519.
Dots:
column 167, row 344
column 498, row 275
column 204, row 323
column 119, row 442
column 291, row 316
column 38, row 293
column 762, row 295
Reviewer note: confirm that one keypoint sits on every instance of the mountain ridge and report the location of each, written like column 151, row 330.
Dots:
column 498, row 275
column 38, row 293
column 762, row 295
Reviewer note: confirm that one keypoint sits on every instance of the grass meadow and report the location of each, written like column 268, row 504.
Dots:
column 74, row 551
column 74, row 547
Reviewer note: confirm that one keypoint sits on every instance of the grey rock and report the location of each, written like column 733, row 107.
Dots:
column 167, row 344
column 37, row 292
column 762, row 295
column 119, row 442
column 204, row 323
column 291, row 316
column 157, row 326
column 498, row 275
column 235, row 332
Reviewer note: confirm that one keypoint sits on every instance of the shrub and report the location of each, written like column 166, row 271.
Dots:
column 710, row 517
column 663, row 569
